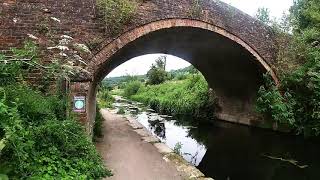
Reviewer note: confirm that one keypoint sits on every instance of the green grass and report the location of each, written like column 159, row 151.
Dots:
column 185, row 97
column 105, row 99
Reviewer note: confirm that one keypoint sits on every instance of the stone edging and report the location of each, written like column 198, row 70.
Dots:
column 168, row 155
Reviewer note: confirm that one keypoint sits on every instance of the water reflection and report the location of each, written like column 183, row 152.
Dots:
column 171, row 134
column 239, row 152
column 158, row 128
column 230, row 151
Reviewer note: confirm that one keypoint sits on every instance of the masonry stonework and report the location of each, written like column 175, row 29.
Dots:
column 80, row 19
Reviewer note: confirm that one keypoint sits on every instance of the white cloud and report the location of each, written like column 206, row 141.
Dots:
column 140, row 65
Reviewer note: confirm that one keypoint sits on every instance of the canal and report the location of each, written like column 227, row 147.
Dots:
column 226, row 151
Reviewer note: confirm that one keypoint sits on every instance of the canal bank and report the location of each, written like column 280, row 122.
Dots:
column 223, row 150
column 133, row 153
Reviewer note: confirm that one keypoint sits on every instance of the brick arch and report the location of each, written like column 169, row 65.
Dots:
column 96, row 64
column 80, row 19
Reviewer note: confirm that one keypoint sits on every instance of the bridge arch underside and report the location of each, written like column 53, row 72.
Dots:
column 234, row 72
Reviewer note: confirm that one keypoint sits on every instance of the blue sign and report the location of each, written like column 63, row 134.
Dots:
column 79, row 104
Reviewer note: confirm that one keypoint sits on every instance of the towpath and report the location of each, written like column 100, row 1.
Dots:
column 128, row 156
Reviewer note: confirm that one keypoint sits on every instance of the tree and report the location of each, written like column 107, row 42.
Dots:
column 263, row 14
column 157, row 73
column 296, row 100
column 306, row 14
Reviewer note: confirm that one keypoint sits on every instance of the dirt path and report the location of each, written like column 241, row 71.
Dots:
column 128, row 156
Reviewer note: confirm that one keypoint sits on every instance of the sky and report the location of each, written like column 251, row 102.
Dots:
column 140, row 65
column 276, row 7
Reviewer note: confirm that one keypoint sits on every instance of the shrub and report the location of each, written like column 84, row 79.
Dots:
column 189, row 97
column 37, row 139
column 181, row 76
column 177, row 148
column 116, row 13
column 131, row 88
column 298, row 105
column 273, row 104
column 296, row 101
column 42, row 145
column 157, row 73
column 105, row 99
column 304, row 86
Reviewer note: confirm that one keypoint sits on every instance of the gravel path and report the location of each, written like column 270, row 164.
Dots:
column 128, row 156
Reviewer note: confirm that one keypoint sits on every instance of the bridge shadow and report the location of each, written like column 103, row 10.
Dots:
column 233, row 70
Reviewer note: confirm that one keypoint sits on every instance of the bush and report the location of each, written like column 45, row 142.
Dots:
column 273, row 104
column 131, row 88
column 105, row 99
column 42, row 145
column 296, row 101
column 304, row 86
column 181, row 76
column 157, row 73
column 298, row 104
column 37, row 139
column 116, row 13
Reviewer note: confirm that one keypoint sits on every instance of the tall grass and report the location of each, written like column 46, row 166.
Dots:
column 105, row 98
column 190, row 96
column 132, row 88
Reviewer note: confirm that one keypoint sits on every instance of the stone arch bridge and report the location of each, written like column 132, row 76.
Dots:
column 229, row 47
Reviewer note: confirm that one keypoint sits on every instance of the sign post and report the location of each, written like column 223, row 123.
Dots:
column 79, row 104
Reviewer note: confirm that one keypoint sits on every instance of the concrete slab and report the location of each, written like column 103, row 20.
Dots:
column 151, row 139
column 162, row 148
column 183, row 166
column 142, row 132
column 134, row 123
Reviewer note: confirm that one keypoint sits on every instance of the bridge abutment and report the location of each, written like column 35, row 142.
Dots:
column 80, row 91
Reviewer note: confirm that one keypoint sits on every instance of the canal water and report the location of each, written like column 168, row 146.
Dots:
column 226, row 151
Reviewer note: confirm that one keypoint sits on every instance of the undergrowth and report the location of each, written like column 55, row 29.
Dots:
column 296, row 101
column 37, row 138
column 190, row 96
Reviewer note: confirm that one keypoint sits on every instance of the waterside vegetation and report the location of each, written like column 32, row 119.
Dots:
column 38, row 140
column 296, row 100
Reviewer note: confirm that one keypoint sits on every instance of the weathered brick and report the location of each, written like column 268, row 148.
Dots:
column 78, row 18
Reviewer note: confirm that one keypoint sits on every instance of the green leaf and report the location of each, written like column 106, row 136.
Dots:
column 2, row 144
column 4, row 177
